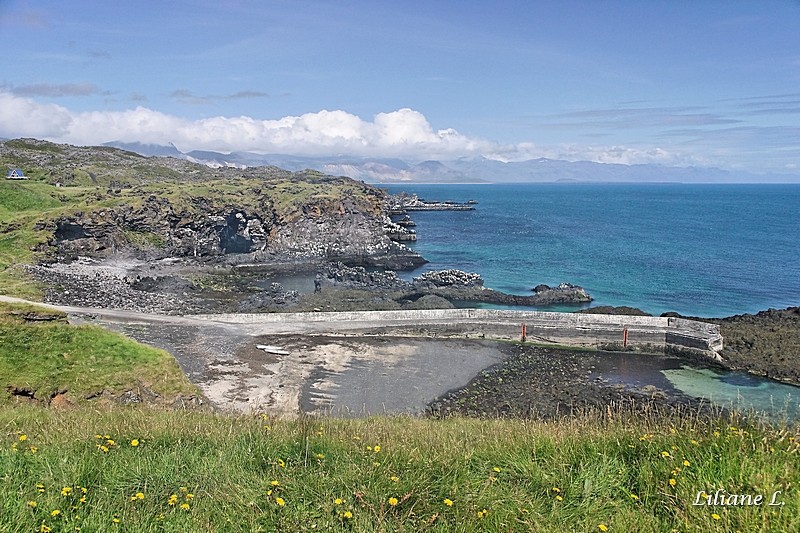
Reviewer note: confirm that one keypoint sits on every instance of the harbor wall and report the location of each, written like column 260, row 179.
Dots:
column 611, row 332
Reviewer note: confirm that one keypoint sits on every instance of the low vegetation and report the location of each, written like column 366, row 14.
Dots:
column 134, row 469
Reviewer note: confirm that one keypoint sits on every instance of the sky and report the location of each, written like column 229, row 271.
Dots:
column 678, row 83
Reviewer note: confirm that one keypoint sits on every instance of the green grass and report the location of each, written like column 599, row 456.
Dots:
column 344, row 475
column 44, row 357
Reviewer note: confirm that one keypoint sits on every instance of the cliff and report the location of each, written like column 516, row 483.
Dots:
column 102, row 201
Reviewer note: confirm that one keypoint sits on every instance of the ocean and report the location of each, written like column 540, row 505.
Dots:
column 699, row 250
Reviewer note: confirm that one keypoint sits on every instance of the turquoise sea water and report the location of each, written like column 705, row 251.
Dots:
column 702, row 250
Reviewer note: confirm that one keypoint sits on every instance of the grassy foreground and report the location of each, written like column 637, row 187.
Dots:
column 128, row 469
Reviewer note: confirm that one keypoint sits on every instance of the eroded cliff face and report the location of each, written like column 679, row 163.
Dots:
column 335, row 219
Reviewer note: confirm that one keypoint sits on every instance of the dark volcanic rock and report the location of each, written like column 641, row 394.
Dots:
column 452, row 285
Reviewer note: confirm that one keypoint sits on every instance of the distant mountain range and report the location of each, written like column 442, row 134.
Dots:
column 464, row 170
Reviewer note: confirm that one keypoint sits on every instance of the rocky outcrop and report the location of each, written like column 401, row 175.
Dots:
column 256, row 222
column 452, row 285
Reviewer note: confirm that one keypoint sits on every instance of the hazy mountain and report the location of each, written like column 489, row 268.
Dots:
column 464, row 170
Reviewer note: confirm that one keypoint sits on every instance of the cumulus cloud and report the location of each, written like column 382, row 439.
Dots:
column 404, row 133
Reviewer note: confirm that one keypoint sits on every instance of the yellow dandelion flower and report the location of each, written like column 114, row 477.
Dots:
column 672, row 482
column 395, row 479
column 376, row 449
column 104, row 449
column 274, row 483
column 82, row 499
column 715, row 516
column 40, row 487
column 496, row 469
column 393, row 501
column 482, row 513
column 338, row 501
column 269, row 492
column 320, row 456
column 32, row 504
column 686, row 463
column 134, row 442
column 173, row 499
column 602, row 527
column 44, row 529
column 66, row 491
column 634, row 496
column 281, row 463
column 347, row 514
column 55, row 512
column 185, row 506
column 556, row 489
column 559, row 498
column 693, row 441
column 280, row 501
column 23, row 437
column 448, row 502
column 115, row 520
column 189, row 496
column 665, row 454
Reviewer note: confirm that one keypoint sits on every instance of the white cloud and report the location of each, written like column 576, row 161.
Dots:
column 404, row 133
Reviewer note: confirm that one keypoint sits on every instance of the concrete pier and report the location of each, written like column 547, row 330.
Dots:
column 610, row 332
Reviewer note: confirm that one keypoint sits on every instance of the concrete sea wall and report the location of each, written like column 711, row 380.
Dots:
column 615, row 332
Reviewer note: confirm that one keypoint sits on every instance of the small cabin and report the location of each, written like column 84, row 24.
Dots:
column 16, row 174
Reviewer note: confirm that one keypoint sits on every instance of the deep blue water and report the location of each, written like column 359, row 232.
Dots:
column 703, row 250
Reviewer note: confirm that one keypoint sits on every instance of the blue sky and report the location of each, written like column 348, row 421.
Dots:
column 704, row 82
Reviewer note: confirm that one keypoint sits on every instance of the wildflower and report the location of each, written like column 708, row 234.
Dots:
column 347, row 514
column 66, row 491
column 115, row 520
column 448, row 502
column 482, row 513
column 44, row 529
column 559, row 498
column 185, row 506
column 82, row 499
column 172, row 500
column 672, row 482
column 281, row 463
column 320, row 456
column 395, row 479
column 715, row 516
column 496, row 469
column 55, row 512
column 694, row 442
column 338, row 501
column 33, row 449
column 556, row 489
column 376, row 449
column 23, row 437
column 280, row 501
column 103, row 449
column 189, row 496
column 274, row 483
column 634, row 496
column 32, row 504
column 393, row 501
column 137, row 496
column 40, row 487
column 665, row 454
column 686, row 463
column 134, row 442
column 602, row 527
